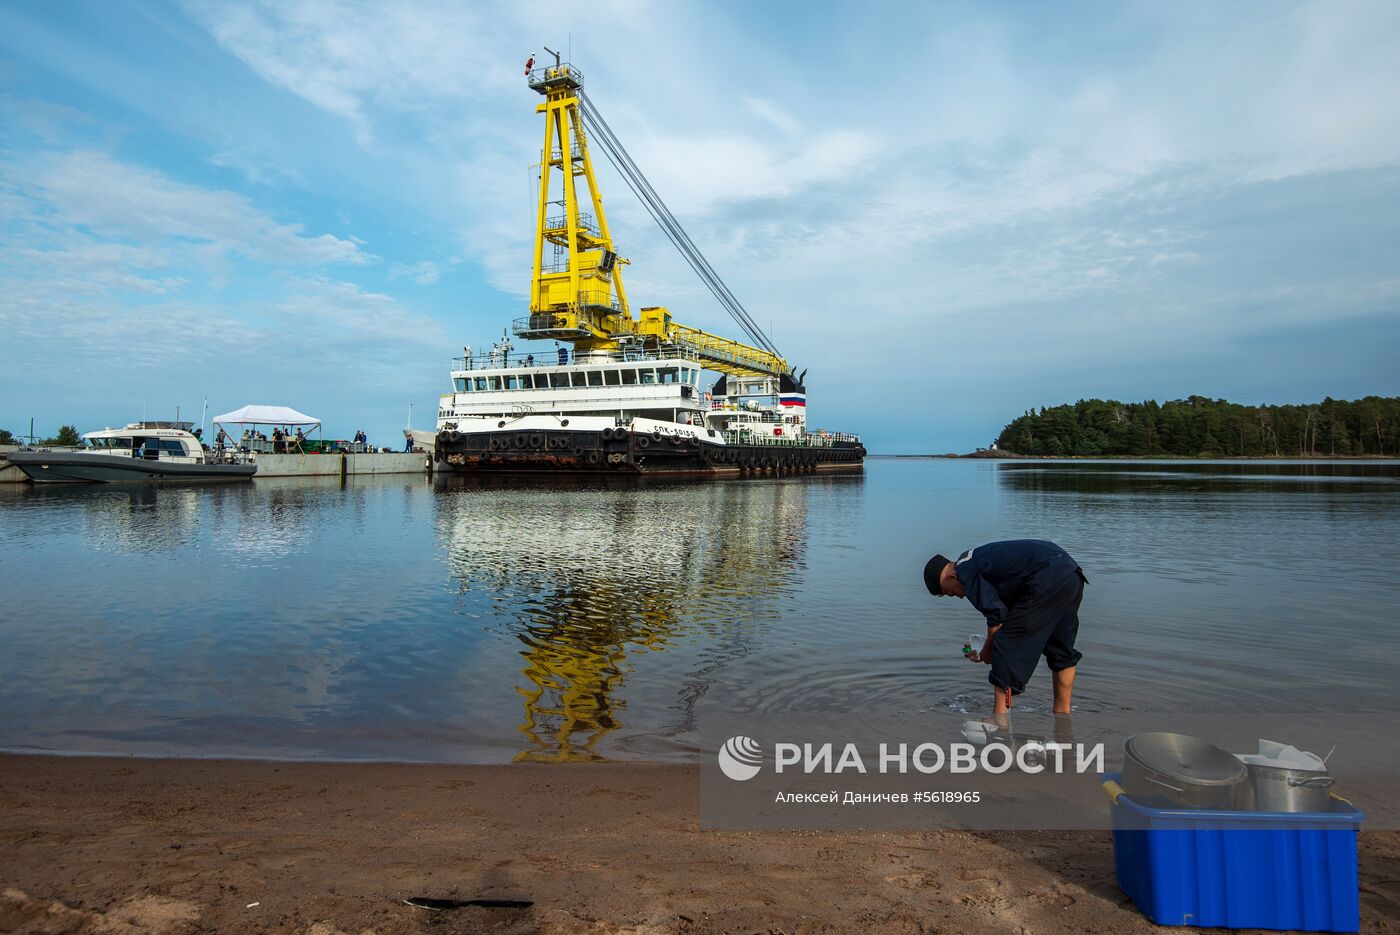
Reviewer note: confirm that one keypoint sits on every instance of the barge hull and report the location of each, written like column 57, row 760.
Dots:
column 620, row 452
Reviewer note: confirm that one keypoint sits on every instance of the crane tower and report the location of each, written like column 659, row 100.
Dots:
column 577, row 294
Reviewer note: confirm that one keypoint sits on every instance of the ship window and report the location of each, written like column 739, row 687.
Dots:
column 121, row 443
column 559, row 379
column 461, row 384
column 668, row 374
column 648, row 375
column 512, row 383
column 495, row 382
column 480, row 383
column 595, row 378
column 580, row 379
column 614, row 378
column 629, row 377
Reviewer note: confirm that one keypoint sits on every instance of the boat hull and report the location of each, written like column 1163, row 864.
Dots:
column 619, row 451
column 65, row 467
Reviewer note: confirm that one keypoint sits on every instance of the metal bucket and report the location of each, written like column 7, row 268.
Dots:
column 1182, row 771
column 1277, row 789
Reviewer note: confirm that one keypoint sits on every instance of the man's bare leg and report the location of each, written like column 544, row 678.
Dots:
column 1064, row 687
column 1001, row 700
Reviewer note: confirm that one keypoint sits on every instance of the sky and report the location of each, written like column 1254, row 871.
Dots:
column 949, row 213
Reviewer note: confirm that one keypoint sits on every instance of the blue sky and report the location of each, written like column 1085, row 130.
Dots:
column 948, row 212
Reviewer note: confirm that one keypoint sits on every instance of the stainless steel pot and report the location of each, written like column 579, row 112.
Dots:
column 1279, row 789
column 1180, row 771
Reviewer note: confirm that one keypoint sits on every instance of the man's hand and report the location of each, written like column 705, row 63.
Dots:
column 985, row 656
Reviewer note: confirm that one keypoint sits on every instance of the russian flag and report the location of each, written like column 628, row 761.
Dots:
column 793, row 399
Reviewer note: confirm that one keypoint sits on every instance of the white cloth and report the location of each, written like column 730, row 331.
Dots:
column 1283, row 756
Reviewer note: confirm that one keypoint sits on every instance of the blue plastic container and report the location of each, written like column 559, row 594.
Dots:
column 1267, row 870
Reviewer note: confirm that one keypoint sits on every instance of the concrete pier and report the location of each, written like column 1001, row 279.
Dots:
column 9, row 474
column 298, row 465
column 332, row 465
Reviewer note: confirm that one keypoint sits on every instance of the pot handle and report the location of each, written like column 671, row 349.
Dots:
column 1165, row 785
column 1312, row 782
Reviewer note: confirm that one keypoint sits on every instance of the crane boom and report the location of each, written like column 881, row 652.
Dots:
column 578, row 294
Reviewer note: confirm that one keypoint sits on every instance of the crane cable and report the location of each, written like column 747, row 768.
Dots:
column 622, row 161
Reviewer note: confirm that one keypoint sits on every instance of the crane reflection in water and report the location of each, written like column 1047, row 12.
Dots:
column 593, row 576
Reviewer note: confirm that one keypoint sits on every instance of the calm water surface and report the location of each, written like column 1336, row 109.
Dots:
column 405, row 618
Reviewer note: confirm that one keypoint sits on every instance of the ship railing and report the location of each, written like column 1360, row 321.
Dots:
column 546, row 77
column 557, row 155
column 586, row 222
column 834, row 438
column 801, row 440
column 761, row 415
column 548, row 325
column 773, row 441
column 599, row 298
column 490, row 361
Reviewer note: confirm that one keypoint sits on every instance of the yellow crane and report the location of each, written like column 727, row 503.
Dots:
column 577, row 294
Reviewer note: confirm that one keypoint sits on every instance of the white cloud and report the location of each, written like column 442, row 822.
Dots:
column 115, row 199
column 343, row 57
column 424, row 272
column 770, row 113
column 258, row 170
column 330, row 314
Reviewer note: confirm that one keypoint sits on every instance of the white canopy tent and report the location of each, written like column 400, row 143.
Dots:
column 265, row 415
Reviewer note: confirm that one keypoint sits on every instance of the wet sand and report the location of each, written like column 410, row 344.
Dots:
column 118, row 845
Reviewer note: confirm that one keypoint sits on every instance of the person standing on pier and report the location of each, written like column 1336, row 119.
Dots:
column 1029, row 590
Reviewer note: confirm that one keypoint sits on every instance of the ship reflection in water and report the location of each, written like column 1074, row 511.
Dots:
column 593, row 577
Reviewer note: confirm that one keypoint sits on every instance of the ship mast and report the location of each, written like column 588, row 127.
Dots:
column 577, row 294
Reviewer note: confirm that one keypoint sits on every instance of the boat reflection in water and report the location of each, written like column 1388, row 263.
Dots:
column 594, row 577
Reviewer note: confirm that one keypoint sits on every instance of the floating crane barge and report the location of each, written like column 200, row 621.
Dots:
column 617, row 393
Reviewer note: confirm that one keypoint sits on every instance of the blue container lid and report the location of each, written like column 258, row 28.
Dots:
column 1341, row 814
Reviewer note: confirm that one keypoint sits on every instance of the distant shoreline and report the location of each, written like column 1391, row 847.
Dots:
column 1012, row 456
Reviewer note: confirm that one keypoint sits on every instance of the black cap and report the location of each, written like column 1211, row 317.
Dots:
column 932, row 570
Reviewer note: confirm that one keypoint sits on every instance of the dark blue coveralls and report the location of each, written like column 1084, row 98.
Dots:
column 1032, row 588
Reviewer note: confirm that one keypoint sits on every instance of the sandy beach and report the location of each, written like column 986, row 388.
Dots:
column 122, row 845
